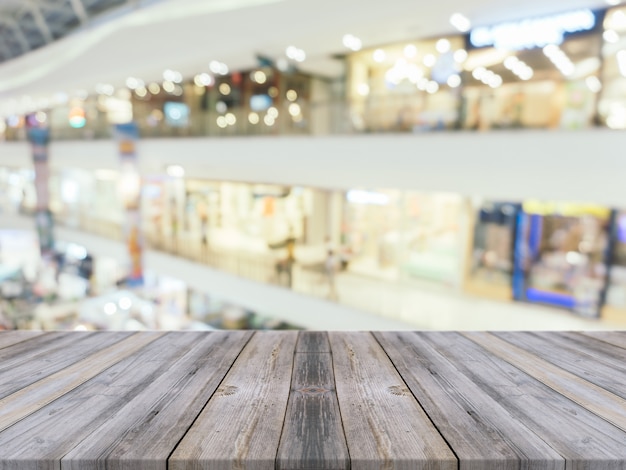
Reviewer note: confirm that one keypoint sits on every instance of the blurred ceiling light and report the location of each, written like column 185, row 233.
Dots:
column 518, row 67
column 169, row 75
column 273, row 91
column 178, row 90
column 219, row 68
column 617, row 21
column 259, row 77
column 154, row 88
column 293, row 53
column 410, row 51
column 253, row 118
column 221, row 122
column 611, row 36
column 294, row 109
column 110, row 308
column 460, row 22
column 454, row 81
column 230, row 119
column 594, row 84
column 141, row 92
column 429, row 60
column 175, row 171
column 203, row 79
column 432, row 87
column 379, row 55
column 168, row 86
column 104, row 89
column 224, row 88
column 613, row 2
column 363, row 89
column 132, row 83
column 460, row 56
column 221, row 107
column 125, row 303
column 352, row 42
column 442, row 46
column 40, row 117
column 272, row 111
column 269, row 120
column 292, row 95
column 422, row 83
column 559, row 59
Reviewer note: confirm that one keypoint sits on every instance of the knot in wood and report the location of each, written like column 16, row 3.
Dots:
column 312, row 390
column 399, row 390
column 226, row 390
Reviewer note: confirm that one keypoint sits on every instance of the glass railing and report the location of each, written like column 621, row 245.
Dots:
column 389, row 114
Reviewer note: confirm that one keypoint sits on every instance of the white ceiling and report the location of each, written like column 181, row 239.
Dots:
column 186, row 34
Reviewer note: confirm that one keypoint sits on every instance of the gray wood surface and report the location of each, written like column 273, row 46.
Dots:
column 384, row 425
column 9, row 338
column 483, row 434
column 242, row 423
column 312, row 435
column 31, row 398
column 153, row 422
column 583, row 438
column 313, row 400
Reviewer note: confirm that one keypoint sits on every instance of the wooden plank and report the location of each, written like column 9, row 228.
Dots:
column 312, row 435
column 23, row 351
column 599, row 363
column 9, row 338
column 313, row 341
column 616, row 338
column 41, row 439
column 584, row 439
column 482, row 433
column 155, row 420
column 241, row 425
column 18, row 405
column 588, row 395
column 15, row 374
column 384, row 425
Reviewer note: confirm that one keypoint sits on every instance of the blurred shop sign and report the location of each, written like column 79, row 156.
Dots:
column 535, row 32
column 565, row 209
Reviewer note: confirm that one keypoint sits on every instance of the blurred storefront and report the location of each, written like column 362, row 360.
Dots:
column 535, row 73
column 404, row 234
column 561, row 255
column 406, row 87
column 612, row 102
column 490, row 263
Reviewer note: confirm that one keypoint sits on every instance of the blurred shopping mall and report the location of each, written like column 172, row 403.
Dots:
column 274, row 164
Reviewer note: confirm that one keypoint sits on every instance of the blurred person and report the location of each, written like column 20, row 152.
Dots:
column 331, row 266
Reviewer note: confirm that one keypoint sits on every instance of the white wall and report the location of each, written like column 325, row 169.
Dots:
column 586, row 166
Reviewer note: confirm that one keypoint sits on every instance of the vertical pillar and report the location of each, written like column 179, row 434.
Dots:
column 130, row 192
column 39, row 138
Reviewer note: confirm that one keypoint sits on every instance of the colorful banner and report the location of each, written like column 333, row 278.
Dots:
column 39, row 138
column 130, row 192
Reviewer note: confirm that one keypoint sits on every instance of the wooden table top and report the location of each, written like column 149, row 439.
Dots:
column 312, row 400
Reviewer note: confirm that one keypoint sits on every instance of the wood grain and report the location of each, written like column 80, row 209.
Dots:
column 18, row 405
column 155, row 420
column 482, row 433
column 16, row 373
column 384, row 425
column 9, row 338
column 51, row 432
column 588, row 395
column 584, row 439
column 594, row 361
column 312, row 436
column 240, row 427
column 616, row 338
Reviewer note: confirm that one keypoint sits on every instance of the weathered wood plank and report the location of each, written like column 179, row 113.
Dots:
column 41, row 439
column 599, row 363
column 155, row 420
column 384, row 425
column 18, row 405
column 616, row 338
column 23, row 351
column 584, row 439
column 241, row 425
column 313, row 341
column 16, row 374
column 482, row 433
column 9, row 338
column 588, row 395
column 312, row 436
